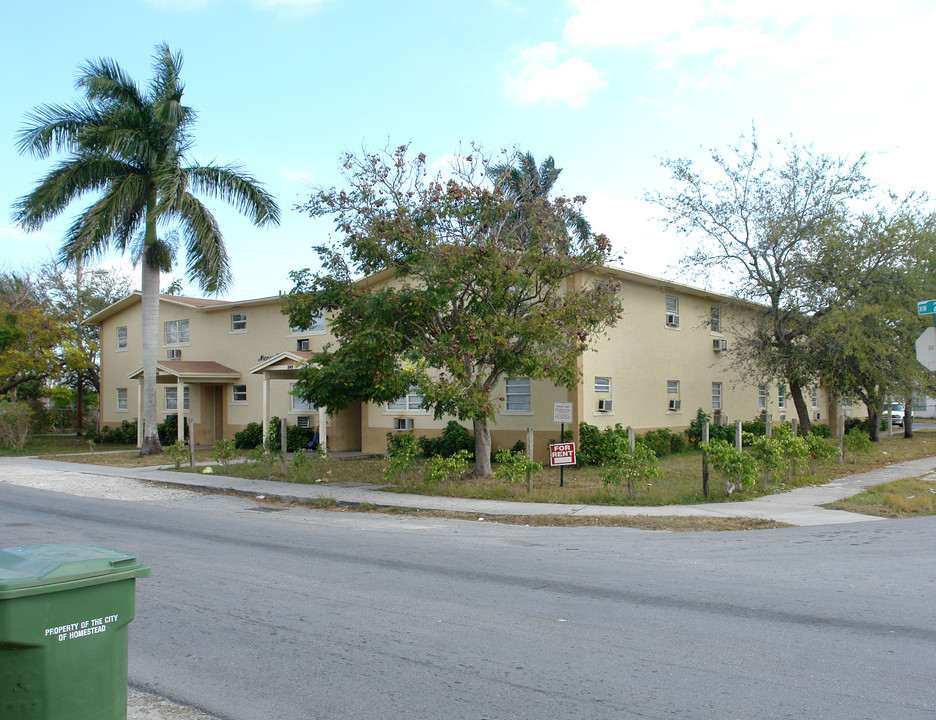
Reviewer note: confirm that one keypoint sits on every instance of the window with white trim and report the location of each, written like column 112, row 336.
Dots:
column 172, row 399
column 518, row 394
column 602, row 384
column 316, row 326
column 761, row 397
column 781, row 397
column 410, row 401
column 715, row 322
column 672, row 311
column 814, row 393
column 672, row 387
column 122, row 404
column 716, row 396
column 238, row 322
column 297, row 403
column 122, row 338
column 176, row 332
column 239, row 393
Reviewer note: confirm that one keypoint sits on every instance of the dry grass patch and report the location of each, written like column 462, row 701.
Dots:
column 911, row 497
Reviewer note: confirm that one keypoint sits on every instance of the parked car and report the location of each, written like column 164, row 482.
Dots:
column 897, row 413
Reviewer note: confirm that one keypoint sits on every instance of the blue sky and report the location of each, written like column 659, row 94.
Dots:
column 607, row 87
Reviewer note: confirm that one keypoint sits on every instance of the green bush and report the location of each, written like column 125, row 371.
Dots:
column 454, row 439
column 178, row 452
column 637, row 465
column 168, row 430
column 250, row 437
column 123, row 434
column 442, row 469
column 597, row 447
column 223, row 451
column 296, row 437
column 857, row 440
column 664, row 441
column 401, row 451
column 822, row 430
column 513, row 466
column 739, row 468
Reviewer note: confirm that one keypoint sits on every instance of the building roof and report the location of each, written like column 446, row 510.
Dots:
column 191, row 370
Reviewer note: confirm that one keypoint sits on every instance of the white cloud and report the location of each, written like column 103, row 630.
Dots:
column 540, row 73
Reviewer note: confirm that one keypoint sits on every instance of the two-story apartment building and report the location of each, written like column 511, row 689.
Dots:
column 228, row 363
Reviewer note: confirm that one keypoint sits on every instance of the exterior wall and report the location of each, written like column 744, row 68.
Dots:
column 639, row 356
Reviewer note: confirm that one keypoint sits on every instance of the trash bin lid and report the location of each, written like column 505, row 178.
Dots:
column 33, row 569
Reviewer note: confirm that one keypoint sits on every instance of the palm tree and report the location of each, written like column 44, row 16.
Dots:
column 526, row 183
column 131, row 147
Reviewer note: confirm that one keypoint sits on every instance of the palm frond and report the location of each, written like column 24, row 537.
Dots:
column 104, row 82
column 206, row 257
column 231, row 184
column 67, row 181
column 54, row 127
column 112, row 220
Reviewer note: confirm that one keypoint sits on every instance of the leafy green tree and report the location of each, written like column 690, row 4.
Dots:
column 31, row 334
column 763, row 221
column 447, row 287
column 130, row 147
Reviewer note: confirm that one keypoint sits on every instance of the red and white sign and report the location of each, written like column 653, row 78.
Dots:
column 562, row 454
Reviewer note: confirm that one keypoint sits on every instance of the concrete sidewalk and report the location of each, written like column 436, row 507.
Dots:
column 795, row 507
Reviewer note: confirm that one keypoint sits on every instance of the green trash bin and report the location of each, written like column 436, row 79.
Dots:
column 64, row 611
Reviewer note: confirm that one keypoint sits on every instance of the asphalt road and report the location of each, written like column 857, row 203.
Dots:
column 255, row 613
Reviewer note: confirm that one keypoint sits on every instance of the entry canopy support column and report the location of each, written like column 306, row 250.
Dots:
column 139, row 412
column 266, row 406
column 180, row 408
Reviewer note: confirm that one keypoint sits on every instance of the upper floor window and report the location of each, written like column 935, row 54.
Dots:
column 815, row 397
column 672, row 311
column 518, row 394
column 781, row 398
column 715, row 322
column 122, row 338
column 177, row 332
column 317, row 325
column 602, row 384
column 672, row 387
column 410, row 401
column 238, row 322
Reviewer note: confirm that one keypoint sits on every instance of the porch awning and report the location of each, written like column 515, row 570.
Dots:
column 191, row 371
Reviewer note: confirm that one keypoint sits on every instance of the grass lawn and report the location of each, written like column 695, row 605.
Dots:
column 680, row 482
column 911, row 497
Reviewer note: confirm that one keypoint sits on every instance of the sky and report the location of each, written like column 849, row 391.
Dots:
column 609, row 88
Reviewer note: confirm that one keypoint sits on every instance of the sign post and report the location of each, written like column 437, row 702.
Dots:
column 562, row 453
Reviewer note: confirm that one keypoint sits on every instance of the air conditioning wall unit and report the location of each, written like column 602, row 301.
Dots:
column 675, row 404
column 719, row 344
column 672, row 319
column 605, row 406
column 304, row 421
column 402, row 423
column 720, row 419
column 173, row 354
column 302, row 345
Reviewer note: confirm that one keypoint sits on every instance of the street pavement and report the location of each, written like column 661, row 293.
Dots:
column 802, row 506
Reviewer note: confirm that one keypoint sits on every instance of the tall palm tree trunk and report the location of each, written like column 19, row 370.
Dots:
column 150, row 325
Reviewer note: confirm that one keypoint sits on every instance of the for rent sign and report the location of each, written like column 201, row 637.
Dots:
column 562, row 454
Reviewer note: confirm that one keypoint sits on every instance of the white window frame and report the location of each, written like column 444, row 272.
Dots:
column 123, row 400
column 239, row 397
column 239, row 322
column 297, row 404
column 672, row 308
column 761, row 397
column 316, row 328
column 715, row 319
column 518, row 396
column 814, row 396
column 123, row 343
column 411, row 402
column 172, row 399
column 602, row 384
column 717, row 396
column 781, row 397
column 173, row 332
column 672, row 387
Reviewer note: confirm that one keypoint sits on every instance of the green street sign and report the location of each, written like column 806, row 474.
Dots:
column 926, row 307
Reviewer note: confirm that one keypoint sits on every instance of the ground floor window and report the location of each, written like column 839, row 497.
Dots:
column 122, row 399
column 240, row 393
column 297, row 402
column 518, row 394
column 716, row 396
column 172, row 399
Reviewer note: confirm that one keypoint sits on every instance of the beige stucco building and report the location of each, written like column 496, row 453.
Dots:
column 231, row 363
